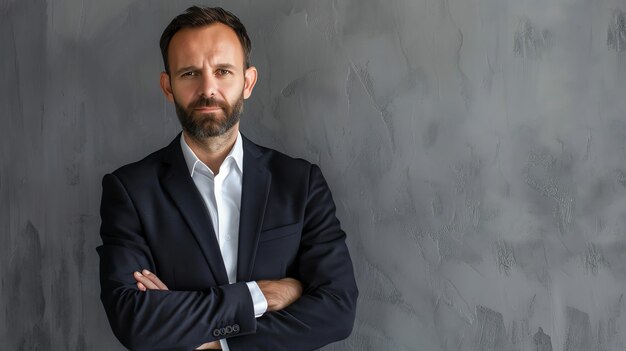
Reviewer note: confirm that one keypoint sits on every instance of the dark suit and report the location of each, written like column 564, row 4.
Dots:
column 153, row 217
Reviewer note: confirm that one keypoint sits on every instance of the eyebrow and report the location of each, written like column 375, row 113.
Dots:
column 225, row 66
column 194, row 68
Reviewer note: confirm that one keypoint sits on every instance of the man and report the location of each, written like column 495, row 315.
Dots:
column 215, row 242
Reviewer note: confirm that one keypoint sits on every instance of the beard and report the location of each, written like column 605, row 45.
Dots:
column 205, row 125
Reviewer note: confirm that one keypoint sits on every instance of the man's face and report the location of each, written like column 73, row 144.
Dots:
column 207, row 80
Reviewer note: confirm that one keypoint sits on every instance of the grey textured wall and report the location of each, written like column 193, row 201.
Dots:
column 476, row 150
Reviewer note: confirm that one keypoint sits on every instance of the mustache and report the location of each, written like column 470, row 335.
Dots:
column 204, row 101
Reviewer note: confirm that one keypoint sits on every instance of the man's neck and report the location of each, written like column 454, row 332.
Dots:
column 212, row 151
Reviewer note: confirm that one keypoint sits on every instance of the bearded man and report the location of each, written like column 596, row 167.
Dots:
column 214, row 242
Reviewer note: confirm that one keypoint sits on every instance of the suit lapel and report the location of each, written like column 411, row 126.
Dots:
column 254, row 192
column 178, row 183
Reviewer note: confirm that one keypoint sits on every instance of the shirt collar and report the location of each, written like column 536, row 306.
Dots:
column 192, row 161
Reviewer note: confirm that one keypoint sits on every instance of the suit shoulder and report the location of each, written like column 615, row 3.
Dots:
column 142, row 169
column 277, row 159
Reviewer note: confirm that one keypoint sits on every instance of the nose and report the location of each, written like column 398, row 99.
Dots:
column 208, row 85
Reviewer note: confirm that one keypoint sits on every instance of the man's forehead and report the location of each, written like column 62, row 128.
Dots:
column 215, row 40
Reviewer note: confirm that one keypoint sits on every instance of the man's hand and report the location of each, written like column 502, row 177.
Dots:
column 146, row 280
column 280, row 293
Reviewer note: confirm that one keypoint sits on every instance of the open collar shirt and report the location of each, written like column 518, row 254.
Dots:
column 221, row 193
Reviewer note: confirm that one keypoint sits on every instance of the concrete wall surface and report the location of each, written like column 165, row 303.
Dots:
column 476, row 150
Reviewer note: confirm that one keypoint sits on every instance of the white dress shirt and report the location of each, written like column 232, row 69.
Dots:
column 222, row 196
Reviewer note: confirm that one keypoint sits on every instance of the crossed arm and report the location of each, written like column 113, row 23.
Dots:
column 176, row 320
column 278, row 293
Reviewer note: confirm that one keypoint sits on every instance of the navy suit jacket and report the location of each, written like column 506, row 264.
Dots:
column 153, row 217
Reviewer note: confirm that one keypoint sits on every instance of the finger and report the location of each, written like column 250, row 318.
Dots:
column 298, row 287
column 154, row 279
column 145, row 281
column 213, row 345
column 141, row 287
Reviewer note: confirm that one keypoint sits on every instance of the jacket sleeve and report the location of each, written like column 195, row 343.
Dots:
column 326, row 311
column 156, row 319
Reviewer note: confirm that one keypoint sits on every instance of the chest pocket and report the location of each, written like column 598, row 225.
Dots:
column 277, row 251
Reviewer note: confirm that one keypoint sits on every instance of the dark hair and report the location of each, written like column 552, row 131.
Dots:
column 203, row 16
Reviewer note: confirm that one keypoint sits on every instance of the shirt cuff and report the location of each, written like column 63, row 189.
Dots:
column 224, row 345
column 258, row 299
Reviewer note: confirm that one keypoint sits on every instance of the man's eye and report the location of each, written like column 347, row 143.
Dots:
column 222, row 72
column 189, row 74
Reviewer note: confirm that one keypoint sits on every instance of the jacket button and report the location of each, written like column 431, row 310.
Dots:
column 228, row 329
column 235, row 328
column 216, row 332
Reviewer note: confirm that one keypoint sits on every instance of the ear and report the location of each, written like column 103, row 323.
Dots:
column 166, row 86
column 249, row 81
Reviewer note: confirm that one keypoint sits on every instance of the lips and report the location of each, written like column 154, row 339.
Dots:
column 208, row 104
column 208, row 108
